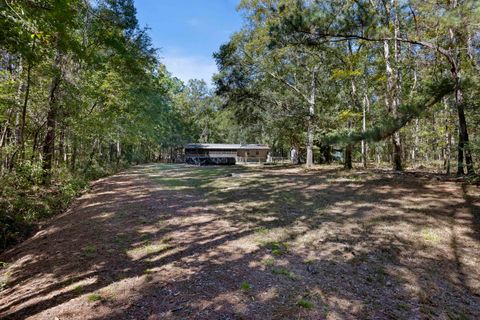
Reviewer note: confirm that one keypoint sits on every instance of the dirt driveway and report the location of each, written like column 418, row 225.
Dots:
column 179, row 242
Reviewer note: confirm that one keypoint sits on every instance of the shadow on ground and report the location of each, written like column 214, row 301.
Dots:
column 176, row 242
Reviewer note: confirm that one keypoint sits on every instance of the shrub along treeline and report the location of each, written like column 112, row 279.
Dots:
column 82, row 94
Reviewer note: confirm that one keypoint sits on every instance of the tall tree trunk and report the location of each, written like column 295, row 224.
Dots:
column 365, row 108
column 311, row 114
column 397, row 142
column 49, row 142
column 25, row 102
column 392, row 94
column 393, row 107
column 118, row 151
column 25, row 99
column 463, row 151
column 73, row 159
column 35, row 142
column 348, row 149
column 62, row 147
column 447, row 154
column 463, row 140
column 3, row 136
column 18, row 115
column 416, row 142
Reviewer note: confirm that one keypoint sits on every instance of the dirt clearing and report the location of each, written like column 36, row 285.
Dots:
column 179, row 242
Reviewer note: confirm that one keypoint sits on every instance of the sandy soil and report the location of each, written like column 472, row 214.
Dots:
column 178, row 242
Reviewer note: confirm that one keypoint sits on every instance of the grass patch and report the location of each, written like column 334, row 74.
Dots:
column 166, row 240
column 304, row 303
column 375, row 221
column 3, row 282
column 150, row 248
column 4, row 277
column 89, row 250
column 284, row 272
column 245, row 286
column 155, row 248
column 261, row 230
column 94, row 297
column 268, row 262
column 78, row 289
column 429, row 235
column 277, row 248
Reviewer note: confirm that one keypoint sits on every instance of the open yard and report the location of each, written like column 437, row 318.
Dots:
column 180, row 242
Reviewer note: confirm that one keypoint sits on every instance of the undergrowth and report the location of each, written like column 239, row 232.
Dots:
column 24, row 201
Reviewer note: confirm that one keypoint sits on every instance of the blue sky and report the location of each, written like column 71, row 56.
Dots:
column 188, row 32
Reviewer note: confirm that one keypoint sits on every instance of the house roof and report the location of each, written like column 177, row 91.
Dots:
column 224, row 146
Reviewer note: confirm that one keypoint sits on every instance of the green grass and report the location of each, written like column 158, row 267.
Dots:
column 245, row 286
column 261, row 230
column 89, row 250
column 277, row 248
column 94, row 297
column 181, row 177
column 78, row 289
column 268, row 262
column 155, row 248
column 166, row 240
column 284, row 272
column 3, row 282
column 429, row 235
column 304, row 303
column 4, row 278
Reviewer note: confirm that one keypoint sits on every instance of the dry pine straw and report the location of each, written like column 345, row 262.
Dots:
column 179, row 242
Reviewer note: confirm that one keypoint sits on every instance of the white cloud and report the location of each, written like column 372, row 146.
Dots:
column 190, row 67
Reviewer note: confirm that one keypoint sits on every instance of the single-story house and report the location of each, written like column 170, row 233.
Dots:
column 214, row 153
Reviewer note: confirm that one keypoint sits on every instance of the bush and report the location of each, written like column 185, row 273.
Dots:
column 23, row 201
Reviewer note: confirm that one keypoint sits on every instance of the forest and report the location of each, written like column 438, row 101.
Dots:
column 391, row 84
column 83, row 94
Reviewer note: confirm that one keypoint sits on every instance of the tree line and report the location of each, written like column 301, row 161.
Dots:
column 385, row 80
column 83, row 93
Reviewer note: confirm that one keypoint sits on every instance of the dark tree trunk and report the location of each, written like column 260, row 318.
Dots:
column 73, row 159
column 35, row 142
column 397, row 152
column 49, row 142
column 24, row 107
column 325, row 151
column 464, row 153
column 49, row 145
column 348, row 157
